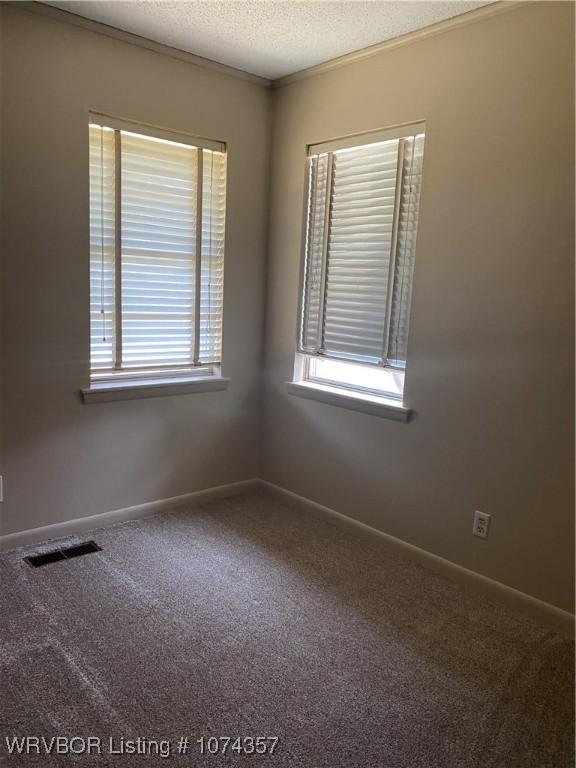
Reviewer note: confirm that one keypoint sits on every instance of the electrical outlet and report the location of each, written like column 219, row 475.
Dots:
column 481, row 524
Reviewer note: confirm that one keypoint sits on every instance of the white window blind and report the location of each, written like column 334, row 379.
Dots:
column 362, row 219
column 157, row 216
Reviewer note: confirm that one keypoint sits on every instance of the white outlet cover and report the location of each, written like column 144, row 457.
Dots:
column 481, row 524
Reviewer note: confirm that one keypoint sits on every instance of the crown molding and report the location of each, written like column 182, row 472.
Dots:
column 58, row 14
column 470, row 17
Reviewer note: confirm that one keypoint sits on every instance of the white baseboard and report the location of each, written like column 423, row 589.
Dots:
column 68, row 527
column 543, row 612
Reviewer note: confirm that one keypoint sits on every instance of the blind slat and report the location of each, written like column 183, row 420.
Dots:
column 350, row 274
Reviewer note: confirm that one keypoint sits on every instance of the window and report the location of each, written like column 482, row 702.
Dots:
column 361, row 222
column 157, row 215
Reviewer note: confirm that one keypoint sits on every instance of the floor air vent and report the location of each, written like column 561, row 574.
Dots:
column 62, row 554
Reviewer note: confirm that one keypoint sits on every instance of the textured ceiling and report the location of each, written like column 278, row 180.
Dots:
column 271, row 38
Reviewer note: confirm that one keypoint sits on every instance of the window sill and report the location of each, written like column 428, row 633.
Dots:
column 375, row 406
column 107, row 391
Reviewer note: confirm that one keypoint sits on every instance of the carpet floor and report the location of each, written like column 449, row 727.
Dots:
column 244, row 617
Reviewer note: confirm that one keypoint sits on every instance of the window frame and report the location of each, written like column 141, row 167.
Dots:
column 145, row 381
column 303, row 378
column 313, row 377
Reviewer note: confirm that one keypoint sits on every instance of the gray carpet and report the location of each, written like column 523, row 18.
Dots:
column 244, row 617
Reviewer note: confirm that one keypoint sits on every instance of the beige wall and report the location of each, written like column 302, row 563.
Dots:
column 1, row 250
column 64, row 459
column 490, row 373
column 490, row 368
